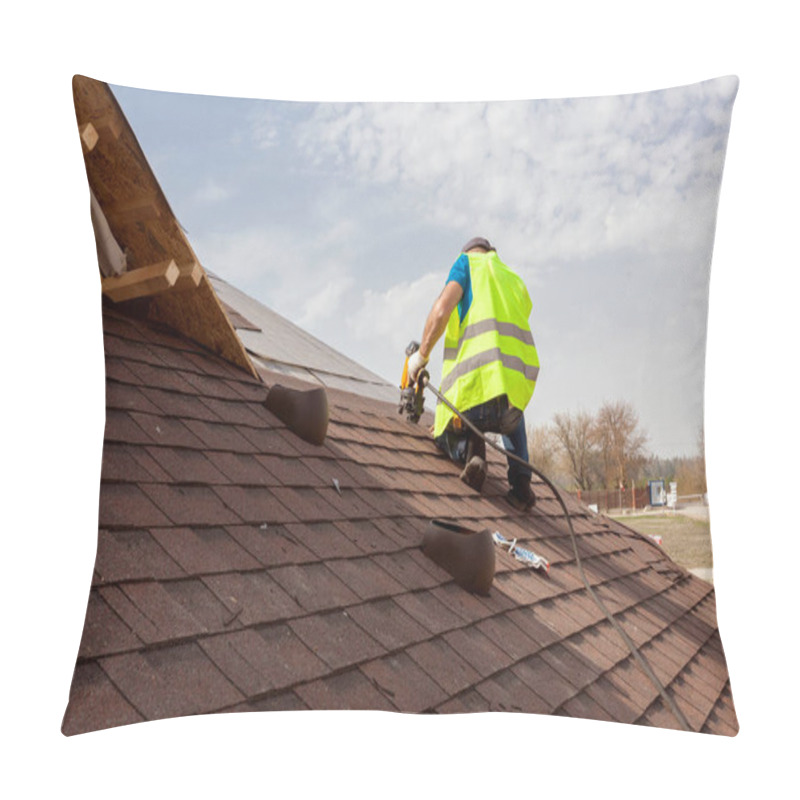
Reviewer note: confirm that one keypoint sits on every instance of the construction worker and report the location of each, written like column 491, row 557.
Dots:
column 490, row 364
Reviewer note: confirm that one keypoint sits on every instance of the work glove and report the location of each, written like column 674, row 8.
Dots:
column 415, row 364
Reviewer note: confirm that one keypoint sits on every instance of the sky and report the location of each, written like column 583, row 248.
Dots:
column 346, row 217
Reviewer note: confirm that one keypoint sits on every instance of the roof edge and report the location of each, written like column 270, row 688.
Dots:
column 163, row 280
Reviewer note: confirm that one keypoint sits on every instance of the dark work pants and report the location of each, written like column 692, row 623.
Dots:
column 494, row 416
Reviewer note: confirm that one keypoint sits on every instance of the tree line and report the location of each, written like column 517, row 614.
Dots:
column 607, row 450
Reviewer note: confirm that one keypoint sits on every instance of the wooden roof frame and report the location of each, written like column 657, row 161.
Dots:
column 163, row 273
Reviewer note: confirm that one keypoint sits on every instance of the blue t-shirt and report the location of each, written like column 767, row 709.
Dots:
column 459, row 273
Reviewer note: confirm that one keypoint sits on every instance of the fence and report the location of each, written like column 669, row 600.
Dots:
column 638, row 498
column 606, row 499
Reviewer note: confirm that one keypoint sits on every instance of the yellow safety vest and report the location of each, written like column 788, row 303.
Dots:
column 491, row 351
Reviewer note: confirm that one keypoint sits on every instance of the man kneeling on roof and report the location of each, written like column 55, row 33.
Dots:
column 490, row 364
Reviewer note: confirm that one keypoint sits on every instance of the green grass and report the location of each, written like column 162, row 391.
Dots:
column 686, row 541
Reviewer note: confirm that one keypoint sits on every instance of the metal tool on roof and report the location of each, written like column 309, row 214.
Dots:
column 410, row 402
column 520, row 553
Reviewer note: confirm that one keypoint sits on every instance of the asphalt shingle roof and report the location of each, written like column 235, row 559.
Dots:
column 233, row 575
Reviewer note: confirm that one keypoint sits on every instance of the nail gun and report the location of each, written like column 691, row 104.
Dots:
column 412, row 400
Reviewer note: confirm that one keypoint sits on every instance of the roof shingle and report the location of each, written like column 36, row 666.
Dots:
column 234, row 574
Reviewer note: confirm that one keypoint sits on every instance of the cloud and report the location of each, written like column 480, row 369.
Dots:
column 325, row 300
column 604, row 205
column 577, row 177
column 304, row 278
column 380, row 324
column 311, row 282
column 212, row 193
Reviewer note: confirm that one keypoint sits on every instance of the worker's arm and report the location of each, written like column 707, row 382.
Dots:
column 436, row 323
column 435, row 326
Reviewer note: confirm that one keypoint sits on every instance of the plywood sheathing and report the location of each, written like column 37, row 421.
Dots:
column 144, row 226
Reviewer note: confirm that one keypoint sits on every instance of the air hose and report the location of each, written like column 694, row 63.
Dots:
column 424, row 380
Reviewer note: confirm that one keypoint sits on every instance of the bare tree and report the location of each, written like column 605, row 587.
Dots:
column 575, row 434
column 621, row 443
column 543, row 449
column 691, row 471
column 701, row 456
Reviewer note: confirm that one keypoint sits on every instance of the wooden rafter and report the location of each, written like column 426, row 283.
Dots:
column 139, row 210
column 89, row 136
column 162, row 268
column 189, row 277
column 142, row 282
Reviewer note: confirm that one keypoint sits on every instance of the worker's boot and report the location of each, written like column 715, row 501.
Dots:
column 520, row 495
column 474, row 473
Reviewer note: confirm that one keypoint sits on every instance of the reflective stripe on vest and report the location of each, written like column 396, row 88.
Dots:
column 491, row 352
column 487, row 357
column 477, row 328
